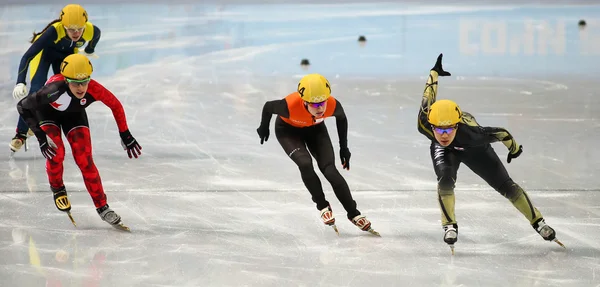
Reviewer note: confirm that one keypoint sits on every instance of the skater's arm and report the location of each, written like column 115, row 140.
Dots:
column 341, row 122
column 46, row 39
column 91, row 46
column 501, row 134
column 100, row 93
column 429, row 96
column 277, row 107
column 28, row 106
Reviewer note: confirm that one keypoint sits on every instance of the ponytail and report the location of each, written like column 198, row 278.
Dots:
column 37, row 34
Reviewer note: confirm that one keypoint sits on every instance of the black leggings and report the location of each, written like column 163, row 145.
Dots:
column 483, row 161
column 297, row 142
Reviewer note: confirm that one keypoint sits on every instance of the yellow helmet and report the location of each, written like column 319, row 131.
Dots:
column 73, row 16
column 444, row 113
column 314, row 88
column 76, row 67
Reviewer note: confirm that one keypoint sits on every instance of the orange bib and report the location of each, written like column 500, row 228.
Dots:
column 299, row 115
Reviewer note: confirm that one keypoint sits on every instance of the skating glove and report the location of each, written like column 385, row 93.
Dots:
column 263, row 133
column 89, row 55
column 48, row 148
column 345, row 157
column 438, row 67
column 514, row 155
column 20, row 91
column 130, row 144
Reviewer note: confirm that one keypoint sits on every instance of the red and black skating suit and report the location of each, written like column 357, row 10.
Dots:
column 53, row 108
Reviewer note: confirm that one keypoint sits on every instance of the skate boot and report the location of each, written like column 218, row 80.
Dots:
column 111, row 217
column 328, row 218
column 451, row 235
column 61, row 201
column 364, row 224
column 546, row 231
column 18, row 141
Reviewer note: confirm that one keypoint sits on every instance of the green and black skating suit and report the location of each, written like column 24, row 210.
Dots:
column 471, row 146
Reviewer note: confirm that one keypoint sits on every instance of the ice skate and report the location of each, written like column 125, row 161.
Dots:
column 111, row 217
column 546, row 231
column 61, row 201
column 364, row 224
column 329, row 219
column 17, row 142
column 451, row 235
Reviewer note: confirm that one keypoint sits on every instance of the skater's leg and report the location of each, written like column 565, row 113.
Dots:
column 54, row 166
column 81, row 145
column 39, row 68
column 445, row 165
column 292, row 141
column 489, row 167
column 319, row 144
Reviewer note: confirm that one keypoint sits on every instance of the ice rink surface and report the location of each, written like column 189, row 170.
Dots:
column 209, row 206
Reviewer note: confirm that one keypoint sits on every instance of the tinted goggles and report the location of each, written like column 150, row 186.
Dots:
column 78, row 82
column 443, row 130
column 316, row 105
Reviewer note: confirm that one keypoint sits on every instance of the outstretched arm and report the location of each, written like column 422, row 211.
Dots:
column 100, row 93
column 495, row 134
column 341, row 122
column 501, row 134
column 278, row 107
column 429, row 97
column 28, row 106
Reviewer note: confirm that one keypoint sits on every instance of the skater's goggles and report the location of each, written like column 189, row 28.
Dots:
column 74, row 82
column 316, row 105
column 442, row 130
column 73, row 29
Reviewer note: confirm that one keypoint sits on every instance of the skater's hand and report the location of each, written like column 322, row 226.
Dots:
column 92, row 55
column 345, row 157
column 130, row 144
column 20, row 91
column 48, row 148
column 438, row 67
column 263, row 133
column 514, row 155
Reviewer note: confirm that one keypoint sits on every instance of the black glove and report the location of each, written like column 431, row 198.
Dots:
column 130, row 144
column 263, row 133
column 48, row 148
column 514, row 155
column 345, row 157
column 438, row 67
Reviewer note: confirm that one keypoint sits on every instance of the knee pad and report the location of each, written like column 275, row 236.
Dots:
column 510, row 190
column 446, row 183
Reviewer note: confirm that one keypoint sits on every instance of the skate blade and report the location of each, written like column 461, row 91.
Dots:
column 121, row 226
column 451, row 248
column 372, row 231
column 559, row 243
column 71, row 217
column 335, row 229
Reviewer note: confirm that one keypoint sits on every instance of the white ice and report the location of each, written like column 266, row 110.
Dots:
column 209, row 206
